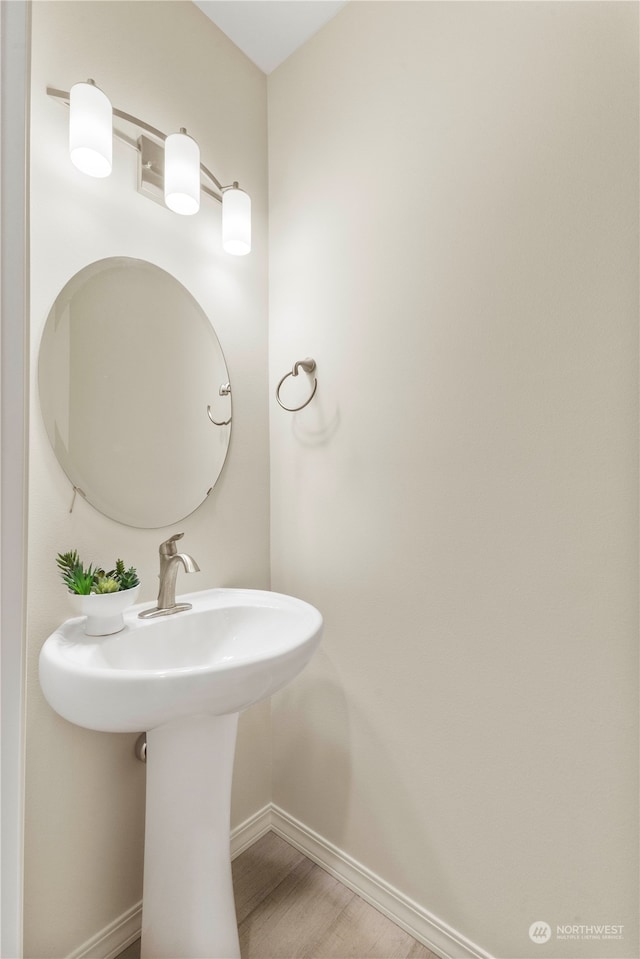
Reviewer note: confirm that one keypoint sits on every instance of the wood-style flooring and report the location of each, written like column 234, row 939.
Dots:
column 290, row 908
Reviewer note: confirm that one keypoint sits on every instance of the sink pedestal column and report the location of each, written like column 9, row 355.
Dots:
column 188, row 910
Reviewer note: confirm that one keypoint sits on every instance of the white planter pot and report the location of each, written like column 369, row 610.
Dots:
column 104, row 610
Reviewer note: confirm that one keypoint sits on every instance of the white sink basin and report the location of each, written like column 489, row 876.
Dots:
column 183, row 678
column 233, row 648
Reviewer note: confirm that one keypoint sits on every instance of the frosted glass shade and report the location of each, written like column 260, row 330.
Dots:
column 90, row 129
column 182, row 174
column 236, row 222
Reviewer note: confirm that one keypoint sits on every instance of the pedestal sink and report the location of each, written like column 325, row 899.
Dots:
column 184, row 679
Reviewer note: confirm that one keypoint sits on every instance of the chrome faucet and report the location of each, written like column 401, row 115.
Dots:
column 170, row 558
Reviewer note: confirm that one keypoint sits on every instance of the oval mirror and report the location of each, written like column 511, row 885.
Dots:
column 131, row 378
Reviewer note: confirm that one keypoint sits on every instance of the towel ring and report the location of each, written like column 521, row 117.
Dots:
column 225, row 390
column 308, row 366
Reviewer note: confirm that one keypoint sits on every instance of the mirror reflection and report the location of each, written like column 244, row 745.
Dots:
column 130, row 376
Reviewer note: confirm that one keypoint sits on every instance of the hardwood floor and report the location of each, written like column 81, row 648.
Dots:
column 290, row 908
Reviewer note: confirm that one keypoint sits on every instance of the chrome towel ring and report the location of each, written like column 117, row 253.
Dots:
column 308, row 366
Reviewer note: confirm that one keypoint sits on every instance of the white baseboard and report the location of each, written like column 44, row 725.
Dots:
column 409, row 915
column 251, row 830
column 114, row 938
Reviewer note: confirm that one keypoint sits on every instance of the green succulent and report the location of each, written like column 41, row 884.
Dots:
column 77, row 578
column 127, row 578
column 84, row 580
column 105, row 584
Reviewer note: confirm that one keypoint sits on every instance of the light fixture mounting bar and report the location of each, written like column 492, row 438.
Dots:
column 63, row 95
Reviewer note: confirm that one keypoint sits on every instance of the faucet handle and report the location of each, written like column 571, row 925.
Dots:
column 169, row 548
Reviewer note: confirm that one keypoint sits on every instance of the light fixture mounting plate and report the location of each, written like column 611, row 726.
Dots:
column 151, row 169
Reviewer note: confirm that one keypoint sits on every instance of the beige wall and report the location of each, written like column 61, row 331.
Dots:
column 168, row 64
column 454, row 238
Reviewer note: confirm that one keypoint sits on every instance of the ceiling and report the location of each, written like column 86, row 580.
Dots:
column 268, row 31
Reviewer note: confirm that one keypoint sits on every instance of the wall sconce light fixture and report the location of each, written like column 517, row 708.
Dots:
column 182, row 173
column 236, row 220
column 169, row 169
column 90, row 126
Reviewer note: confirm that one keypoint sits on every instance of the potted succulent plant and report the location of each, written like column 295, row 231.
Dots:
column 99, row 595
